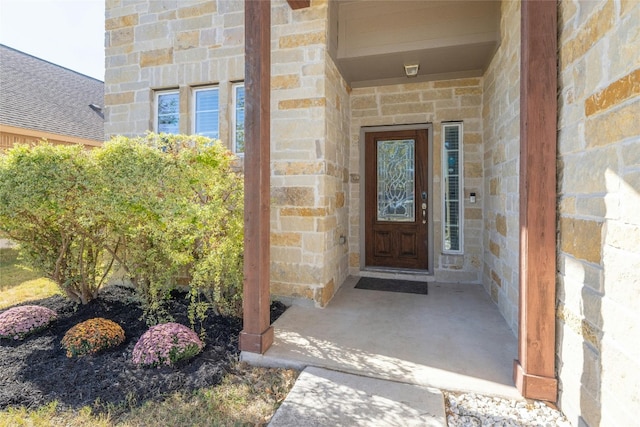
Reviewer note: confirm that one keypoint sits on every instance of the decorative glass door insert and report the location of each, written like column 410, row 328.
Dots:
column 396, row 215
column 396, row 180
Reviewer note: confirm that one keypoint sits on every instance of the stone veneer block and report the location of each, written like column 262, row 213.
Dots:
column 203, row 8
column 311, row 212
column 121, row 21
column 119, row 98
column 494, row 248
column 156, row 57
column 617, row 92
column 292, row 290
column 187, row 40
column 306, row 39
column 496, row 278
column 287, row 81
column 286, row 239
column 298, row 168
column 301, row 103
column 293, row 196
column 121, row 36
column 600, row 22
column 501, row 224
column 582, row 239
column 615, row 125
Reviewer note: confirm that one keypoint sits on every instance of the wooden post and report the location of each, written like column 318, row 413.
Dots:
column 299, row 4
column 534, row 371
column 257, row 334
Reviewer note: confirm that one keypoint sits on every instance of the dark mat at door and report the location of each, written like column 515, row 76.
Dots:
column 392, row 285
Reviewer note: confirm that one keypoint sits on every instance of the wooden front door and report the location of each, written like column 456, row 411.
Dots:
column 396, row 199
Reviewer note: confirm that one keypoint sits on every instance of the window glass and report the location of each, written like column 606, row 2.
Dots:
column 396, row 180
column 452, row 187
column 206, row 112
column 238, row 124
column 168, row 112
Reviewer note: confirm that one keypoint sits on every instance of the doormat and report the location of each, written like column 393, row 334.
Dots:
column 392, row 285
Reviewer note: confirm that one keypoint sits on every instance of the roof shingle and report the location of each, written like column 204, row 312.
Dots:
column 38, row 95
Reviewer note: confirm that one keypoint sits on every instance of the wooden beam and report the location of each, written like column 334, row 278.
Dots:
column 299, row 4
column 257, row 334
column 534, row 371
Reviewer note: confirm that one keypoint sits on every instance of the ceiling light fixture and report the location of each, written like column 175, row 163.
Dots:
column 411, row 70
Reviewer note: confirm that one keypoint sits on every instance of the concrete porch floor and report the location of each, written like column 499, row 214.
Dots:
column 454, row 338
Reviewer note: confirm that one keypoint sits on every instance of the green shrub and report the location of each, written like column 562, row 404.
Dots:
column 92, row 336
column 45, row 195
column 178, row 205
column 168, row 209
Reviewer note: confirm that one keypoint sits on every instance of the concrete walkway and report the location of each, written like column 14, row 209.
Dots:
column 454, row 338
column 328, row 398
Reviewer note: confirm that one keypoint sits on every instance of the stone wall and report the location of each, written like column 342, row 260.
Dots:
column 421, row 103
column 307, row 207
column 501, row 126
column 183, row 45
column 598, row 335
column 338, row 119
column 155, row 45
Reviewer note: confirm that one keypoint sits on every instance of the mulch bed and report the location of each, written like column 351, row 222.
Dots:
column 36, row 371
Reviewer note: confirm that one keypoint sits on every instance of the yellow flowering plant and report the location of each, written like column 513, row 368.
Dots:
column 92, row 336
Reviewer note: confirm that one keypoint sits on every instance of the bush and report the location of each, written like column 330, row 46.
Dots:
column 46, row 206
column 168, row 209
column 178, row 205
column 166, row 344
column 18, row 322
column 92, row 336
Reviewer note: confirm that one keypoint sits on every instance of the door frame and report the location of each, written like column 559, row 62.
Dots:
column 430, row 237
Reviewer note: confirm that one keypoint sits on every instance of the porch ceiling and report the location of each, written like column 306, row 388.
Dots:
column 371, row 41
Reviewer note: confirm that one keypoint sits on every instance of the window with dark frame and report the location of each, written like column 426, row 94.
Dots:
column 206, row 109
column 452, row 188
column 167, row 118
column 238, row 119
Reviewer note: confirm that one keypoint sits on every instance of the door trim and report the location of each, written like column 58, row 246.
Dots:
column 361, row 144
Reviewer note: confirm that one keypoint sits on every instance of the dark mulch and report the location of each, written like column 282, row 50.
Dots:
column 36, row 371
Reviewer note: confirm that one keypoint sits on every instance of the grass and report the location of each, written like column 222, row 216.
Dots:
column 248, row 396
column 18, row 283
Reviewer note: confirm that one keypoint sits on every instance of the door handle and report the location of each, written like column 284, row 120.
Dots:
column 424, row 212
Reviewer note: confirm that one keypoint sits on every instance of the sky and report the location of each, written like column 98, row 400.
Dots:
column 69, row 33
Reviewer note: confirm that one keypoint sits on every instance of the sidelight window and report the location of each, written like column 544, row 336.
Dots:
column 238, row 118
column 452, row 188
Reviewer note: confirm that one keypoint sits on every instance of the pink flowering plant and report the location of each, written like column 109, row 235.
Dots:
column 92, row 336
column 18, row 322
column 166, row 344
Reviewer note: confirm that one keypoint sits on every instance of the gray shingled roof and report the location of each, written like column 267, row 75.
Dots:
column 36, row 94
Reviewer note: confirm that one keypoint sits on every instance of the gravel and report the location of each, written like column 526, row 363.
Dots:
column 475, row 410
